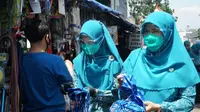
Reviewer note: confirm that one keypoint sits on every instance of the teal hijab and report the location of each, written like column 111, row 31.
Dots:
column 98, row 70
column 168, row 68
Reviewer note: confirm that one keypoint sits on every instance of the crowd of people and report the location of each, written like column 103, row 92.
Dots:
column 193, row 51
column 163, row 70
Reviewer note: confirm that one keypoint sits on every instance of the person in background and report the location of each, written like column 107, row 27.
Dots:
column 187, row 46
column 97, row 66
column 195, row 50
column 163, row 70
column 42, row 73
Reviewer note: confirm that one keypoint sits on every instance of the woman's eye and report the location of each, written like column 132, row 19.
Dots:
column 90, row 42
column 155, row 31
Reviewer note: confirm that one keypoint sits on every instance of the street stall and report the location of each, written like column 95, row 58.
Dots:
column 15, row 14
column 10, row 54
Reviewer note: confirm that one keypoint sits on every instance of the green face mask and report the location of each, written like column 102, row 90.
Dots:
column 153, row 42
column 90, row 49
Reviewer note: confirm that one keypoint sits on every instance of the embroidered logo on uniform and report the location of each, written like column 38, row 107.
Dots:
column 171, row 69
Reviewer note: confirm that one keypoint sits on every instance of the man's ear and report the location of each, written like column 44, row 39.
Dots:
column 47, row 38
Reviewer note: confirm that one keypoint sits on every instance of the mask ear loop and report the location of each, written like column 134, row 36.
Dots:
column 48, row 43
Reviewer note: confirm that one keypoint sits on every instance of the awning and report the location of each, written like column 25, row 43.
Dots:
column 126, row 25
column 100, row 7
column 115, row 16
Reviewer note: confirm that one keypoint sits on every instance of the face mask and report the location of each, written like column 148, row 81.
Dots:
column 90, row 49
column 153, row 42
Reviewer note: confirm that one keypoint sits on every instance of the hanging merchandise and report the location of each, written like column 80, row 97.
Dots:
column 54, row 8
column 61, row 6
column 9, row 70
column 47, row 5
column 3, row 64
column 20, row 53
column 75, row 25
column 17, row 6
column 35, row 6
column 14, row 88
column 57, row 33
column 66, row 22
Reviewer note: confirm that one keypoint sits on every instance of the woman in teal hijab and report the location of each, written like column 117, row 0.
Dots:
column 188, row 48
column 163, row 70
column 98, row 65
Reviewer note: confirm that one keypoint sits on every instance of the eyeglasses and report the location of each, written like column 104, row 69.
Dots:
column 85, row 39
column 157, row 31
column 147, row 31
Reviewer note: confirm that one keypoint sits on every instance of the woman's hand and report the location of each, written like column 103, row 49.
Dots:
column 120, row 79
column 150, row 106
column 93, row 92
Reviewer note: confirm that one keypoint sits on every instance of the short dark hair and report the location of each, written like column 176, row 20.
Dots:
column 35, row 30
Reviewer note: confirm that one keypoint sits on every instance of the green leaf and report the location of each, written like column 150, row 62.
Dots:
column 144, row 7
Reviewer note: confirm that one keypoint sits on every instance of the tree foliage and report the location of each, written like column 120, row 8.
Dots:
column 141, row 8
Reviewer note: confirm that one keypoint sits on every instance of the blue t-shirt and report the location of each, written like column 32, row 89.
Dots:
column 41, row 79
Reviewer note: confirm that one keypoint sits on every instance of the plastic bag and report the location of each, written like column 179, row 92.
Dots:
column 80, row 97
column 134, row 101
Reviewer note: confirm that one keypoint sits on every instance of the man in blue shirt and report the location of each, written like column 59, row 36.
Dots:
column 42, row 73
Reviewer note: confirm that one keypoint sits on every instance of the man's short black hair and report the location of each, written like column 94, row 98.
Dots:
column 35, row 30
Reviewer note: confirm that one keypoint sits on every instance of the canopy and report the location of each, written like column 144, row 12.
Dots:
column 98, row 6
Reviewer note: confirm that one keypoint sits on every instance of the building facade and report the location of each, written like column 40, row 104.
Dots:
column 120, row 6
